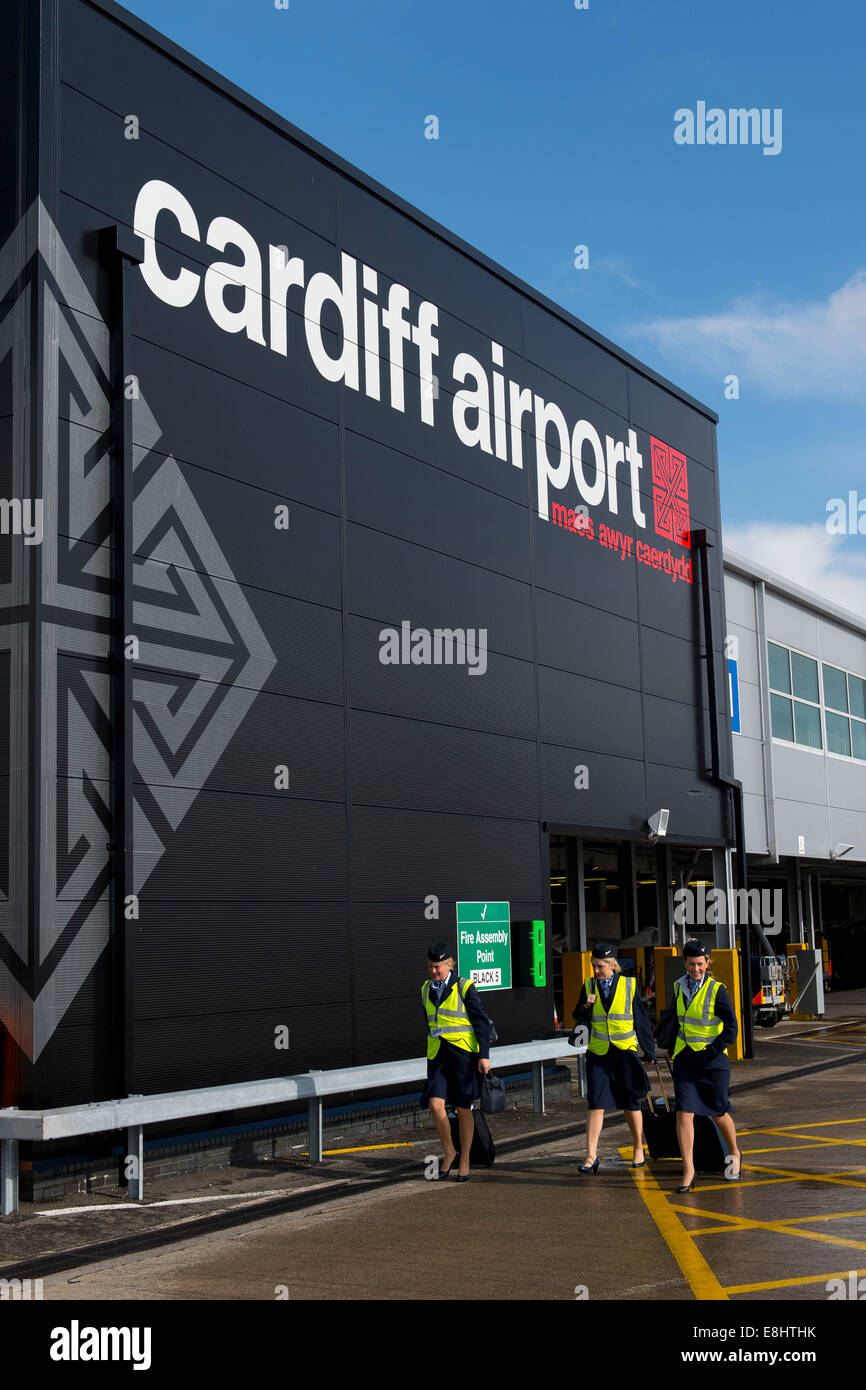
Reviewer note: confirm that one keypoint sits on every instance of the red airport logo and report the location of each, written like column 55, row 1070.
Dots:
column 670, row 492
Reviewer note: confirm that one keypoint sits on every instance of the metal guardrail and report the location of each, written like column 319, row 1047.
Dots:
column 133, row 1113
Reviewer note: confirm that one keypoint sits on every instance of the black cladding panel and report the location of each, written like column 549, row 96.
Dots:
column 380, row 644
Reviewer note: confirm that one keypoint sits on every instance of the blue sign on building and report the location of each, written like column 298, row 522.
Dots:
column 734, row 689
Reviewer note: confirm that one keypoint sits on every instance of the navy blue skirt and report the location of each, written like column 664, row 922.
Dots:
column 701, row 1084
column 453, row 1076
column 615, row 1080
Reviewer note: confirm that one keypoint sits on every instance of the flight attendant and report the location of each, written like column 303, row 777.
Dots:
column 611, row 1005
column 702, row 1072
column 458, row 1048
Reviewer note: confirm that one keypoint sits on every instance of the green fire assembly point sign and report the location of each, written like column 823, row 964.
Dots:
column 484, row 944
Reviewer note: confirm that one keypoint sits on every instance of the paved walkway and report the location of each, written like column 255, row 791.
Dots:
column 532, row 1227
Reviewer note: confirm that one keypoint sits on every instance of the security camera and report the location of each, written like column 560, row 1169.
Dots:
column 658, row 826
column 838, row 851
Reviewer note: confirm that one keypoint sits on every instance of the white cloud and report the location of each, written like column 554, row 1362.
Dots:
column 813, row 349
column 807, row 556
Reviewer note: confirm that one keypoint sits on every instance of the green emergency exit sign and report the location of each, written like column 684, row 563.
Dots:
column 484, row 944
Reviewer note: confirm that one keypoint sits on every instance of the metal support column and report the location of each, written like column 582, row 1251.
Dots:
column 809, row 909
column 664, row 896
column 582, row 944
column 795, row 901
column 8, row 1172
column 121, row 250
column 538, row 1087
column 575, row 906
column 726, row 938
column 703, row 545
column 135, row 1152
column 314, row 1142
column 629, row 925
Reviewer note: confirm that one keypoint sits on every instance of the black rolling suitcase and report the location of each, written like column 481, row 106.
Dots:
column 483, row 1151
column 660, row 1132
column 660, row 1124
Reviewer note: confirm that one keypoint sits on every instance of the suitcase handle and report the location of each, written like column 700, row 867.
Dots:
column 661, row 1084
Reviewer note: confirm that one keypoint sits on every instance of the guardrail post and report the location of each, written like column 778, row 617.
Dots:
column 314, row 1141
column 8, row 1172
column 538, row 1087
column 135, row 1170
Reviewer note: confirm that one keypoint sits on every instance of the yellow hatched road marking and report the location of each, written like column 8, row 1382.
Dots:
column 789, row 1283
column 745, row 1223
column 785, row 1175
column 815, row 1139
column 813, row 1124
column 845, row 1177
column 702, row 1281
column 793, row 1148
column 780, row 1228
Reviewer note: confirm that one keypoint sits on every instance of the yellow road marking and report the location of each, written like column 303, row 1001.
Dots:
column 813, row 1138
column 785, row 1175
column 815, row 1144
column 746, row 1224
column 845, row 1179
column 776, row 1227
column 813, row 1124
column 701, row 1279
column 789, row 1283
column 363, row 1148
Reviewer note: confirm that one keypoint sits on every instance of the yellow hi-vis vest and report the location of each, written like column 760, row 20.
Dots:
column 698, row 1023
column 450, row 1020
column 616, row 1027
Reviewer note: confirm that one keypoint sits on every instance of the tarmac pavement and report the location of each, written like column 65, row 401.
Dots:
column 531, row 1227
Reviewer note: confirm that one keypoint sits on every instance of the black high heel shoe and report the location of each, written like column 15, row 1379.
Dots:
column 688, row 1187
column 589, row 1167
column 445, row 1171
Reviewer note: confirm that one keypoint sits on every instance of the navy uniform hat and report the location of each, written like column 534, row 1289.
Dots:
column 694, row 948
column 439, row 952
column 602, row 951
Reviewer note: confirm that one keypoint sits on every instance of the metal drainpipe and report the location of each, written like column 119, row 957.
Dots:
column 121, row 250
column 702, row 545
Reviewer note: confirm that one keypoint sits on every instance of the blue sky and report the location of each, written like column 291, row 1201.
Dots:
column 556, row 128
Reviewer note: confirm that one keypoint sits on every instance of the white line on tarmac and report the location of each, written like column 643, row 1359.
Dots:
column 186, row 1201
column 810, row 1028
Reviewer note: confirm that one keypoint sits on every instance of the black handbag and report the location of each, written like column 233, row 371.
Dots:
column 492, row 1094
column 666, row 1030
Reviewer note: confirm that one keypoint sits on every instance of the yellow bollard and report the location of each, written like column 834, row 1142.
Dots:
column 575, row 969
column 726, row 969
